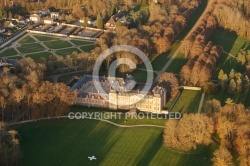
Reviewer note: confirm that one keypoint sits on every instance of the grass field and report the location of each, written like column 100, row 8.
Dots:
column 159, row 61
column 45, row 38
column 57, row 44
column 8, row 52
column 87, row 48
column 71, row 142
column 179, row 61
column 81, row 42
column 67, row 51
column 29, row 48
column 231, row 43
column 37, row 56
column 16, row 57
column 188, row 102
column 26, row 39
column 130, row 120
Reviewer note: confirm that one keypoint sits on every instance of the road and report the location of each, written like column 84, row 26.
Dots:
column 103, row 120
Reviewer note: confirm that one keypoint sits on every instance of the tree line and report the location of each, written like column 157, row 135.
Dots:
column 25, row 91
column 234, row 15
column 198, row 70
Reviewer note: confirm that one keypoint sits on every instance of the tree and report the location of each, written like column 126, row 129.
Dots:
column 118, row 23
column 99, row 22
column 10, row 15
column 232, row 87
column 85, row 23
column 246, row 83
column 3, row 13
column 10, row 152
column 222, row 157
column 144, row 3
column 221, row 74
column 186, row 133
column 239, row 85
column 232, row 74
column 209, row 88
column 170, row 83
column 162, row 45
column 229, row 101
column 241, row 58
column 78, row 11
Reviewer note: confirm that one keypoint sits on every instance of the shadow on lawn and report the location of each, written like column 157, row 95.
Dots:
column 151, row 151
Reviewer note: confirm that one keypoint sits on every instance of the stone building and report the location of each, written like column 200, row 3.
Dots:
column 118, row 95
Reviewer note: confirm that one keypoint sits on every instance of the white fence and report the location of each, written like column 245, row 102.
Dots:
column 47, row 33
column 190, row 88
column 61, row 35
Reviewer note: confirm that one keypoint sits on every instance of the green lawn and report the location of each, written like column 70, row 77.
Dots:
column 229, row 41
column 37, row 56
column 188, row 101
column 87, row 48
column 26, row 39
column 129, row 120
column 8, row 52
column 159, row 61
column 57, row 44
column 179, row 61
column 45, row 37
column 71, row 142
column 29, row 48
column 141, row 76
column 67, row 51
column 232, row 44
column 81, row 42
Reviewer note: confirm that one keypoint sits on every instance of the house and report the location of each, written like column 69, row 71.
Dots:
column 90, row 21
column 120, row 16
column 44, row 12
column 117, row 94
column 54, row 15
column 35, row 18
column 48, row 21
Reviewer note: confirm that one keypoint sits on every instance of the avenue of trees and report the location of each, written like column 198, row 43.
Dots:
column 198, row 70
column 26, row 92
